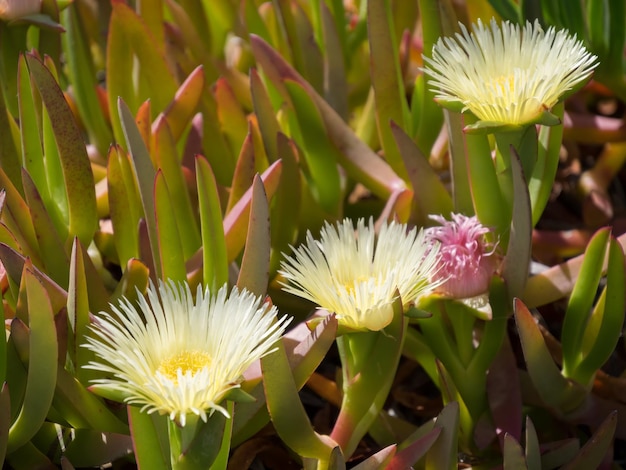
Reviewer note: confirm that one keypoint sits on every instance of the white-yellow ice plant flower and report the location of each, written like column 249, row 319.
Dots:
column 505, row 74
column 355, row 274
column 178, row 356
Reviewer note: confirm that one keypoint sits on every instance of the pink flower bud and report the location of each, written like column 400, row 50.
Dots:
column 468, row 259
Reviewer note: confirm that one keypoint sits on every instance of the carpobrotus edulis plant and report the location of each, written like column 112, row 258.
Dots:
column 179, row 354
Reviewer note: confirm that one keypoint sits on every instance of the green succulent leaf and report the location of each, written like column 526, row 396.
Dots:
column 130, row 37
column 387, row 81
column 286, row 409
column 77, row 177
column 42, row 363
column 442, row 454
column 513, row 454
column 214, row 254
column 167, row 160
column 354, row 155
column 319, row 152
column 171, row 251
column 149, row 434
column 594, row 451
column 254, row 271
column 581, row 300
column 554, row 389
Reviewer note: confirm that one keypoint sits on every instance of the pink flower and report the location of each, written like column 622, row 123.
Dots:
column 468, row 258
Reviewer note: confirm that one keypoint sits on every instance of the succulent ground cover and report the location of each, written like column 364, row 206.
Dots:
column 322, row 234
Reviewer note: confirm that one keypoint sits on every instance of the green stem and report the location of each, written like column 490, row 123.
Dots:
column 525, row 143
column 462, row 322
column 369, row 363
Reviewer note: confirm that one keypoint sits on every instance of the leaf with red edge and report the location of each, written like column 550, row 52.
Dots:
column 354, row 155
column 410, row 454
column 255, row 264
column 236, row 221
column 76, row 169
column 595, row 450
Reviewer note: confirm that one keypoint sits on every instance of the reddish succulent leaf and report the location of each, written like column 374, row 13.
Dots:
column 409, row 455
column 77, row 174
column 245, row 171
column 356, row 157
column 236, row 221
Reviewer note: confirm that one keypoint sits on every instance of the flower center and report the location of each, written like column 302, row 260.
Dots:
column 185, row 361
column 503, row 83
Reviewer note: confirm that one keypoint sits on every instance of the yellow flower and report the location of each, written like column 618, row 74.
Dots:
column 176, row 356
column 355, row 275
column 506, row 75
column 14, row 9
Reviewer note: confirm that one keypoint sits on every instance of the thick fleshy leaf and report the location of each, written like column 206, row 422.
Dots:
column 369, row 361
column 14, row 264
column 335, row 82
column 9, row 154
column 504, row 394
column 410, row 454
column 203, row 446
column 430, row 194
column 42, row 363
column 77, row 175
column 354, row 155
column 319, row 152
column 285, row 211
column 145, row 174
column 381, row 459
column 167, row 160
column 288, row 415
column 90, row 448
column 596, row 448
column 78, row 313
column 560, row 453
column 214, row 255
column 245, row 171
column 542, row 179
column 532, row 453
column 604, row 326
column 236, row 221
column 30, row 123
column 231, row 115
column 581, row 300
column 149, row 434
column 5, row 417
column 438, row 18
column 81, row 71
column 305, row 351
column 443, row 453
column 268, row 124
column 516, row 263
column 513, row 454
column 255, row 264
column 135, row 277
column 130, row 37
column 553, row 388
column 51, row 247
column 387, row 81
column 16, row 216
column 462, row 194
column 124, row 204
column 82, row 409
column 171, row 251
column 185, row 103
